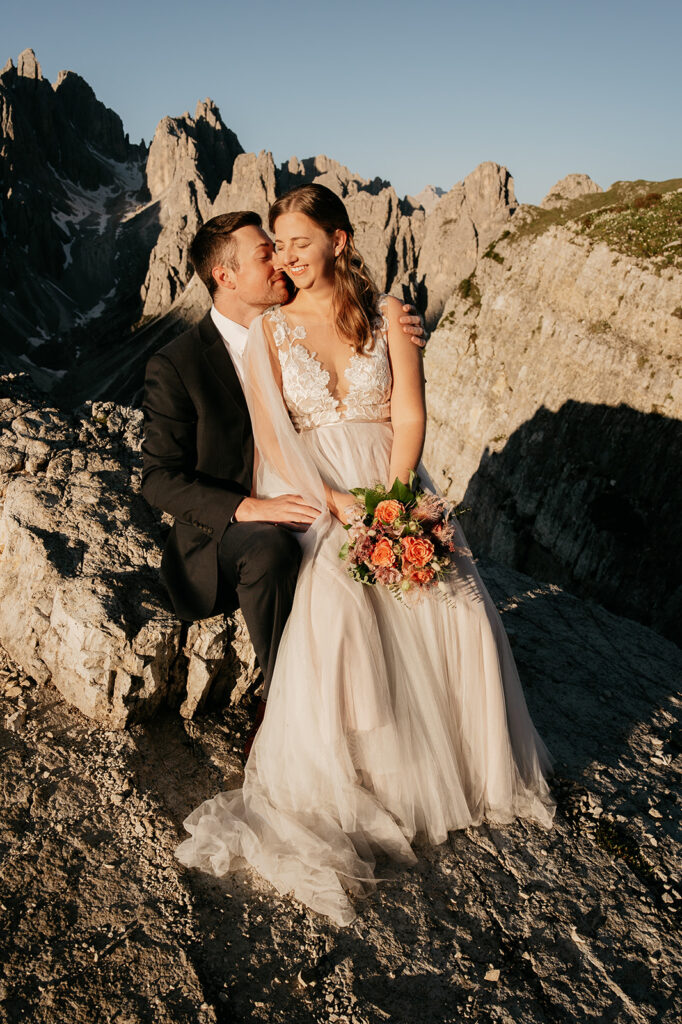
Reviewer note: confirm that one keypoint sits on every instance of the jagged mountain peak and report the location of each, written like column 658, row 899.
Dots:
column 185, row 145
column 98, row 123
column 28, row 66
column 427, row 198
column 208, row 111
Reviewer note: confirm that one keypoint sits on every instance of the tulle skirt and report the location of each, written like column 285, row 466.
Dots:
column 383, row 720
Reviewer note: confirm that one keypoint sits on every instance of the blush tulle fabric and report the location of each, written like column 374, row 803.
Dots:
column 383, row 721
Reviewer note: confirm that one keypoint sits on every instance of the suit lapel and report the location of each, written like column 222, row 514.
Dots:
column 219, row 360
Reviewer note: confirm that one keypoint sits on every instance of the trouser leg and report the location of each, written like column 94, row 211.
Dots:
column 260, row 561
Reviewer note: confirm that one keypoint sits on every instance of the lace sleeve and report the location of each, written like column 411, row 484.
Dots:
column 382, row 318
column 277, row 325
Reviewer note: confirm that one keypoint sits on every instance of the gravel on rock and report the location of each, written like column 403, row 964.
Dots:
column 98, row 922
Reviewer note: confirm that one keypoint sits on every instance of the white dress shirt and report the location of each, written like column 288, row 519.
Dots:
column 234, row 336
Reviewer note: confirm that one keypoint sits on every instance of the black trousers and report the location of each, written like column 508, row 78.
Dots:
column 260, row 562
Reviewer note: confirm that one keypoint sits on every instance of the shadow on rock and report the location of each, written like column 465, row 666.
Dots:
column 588, row 497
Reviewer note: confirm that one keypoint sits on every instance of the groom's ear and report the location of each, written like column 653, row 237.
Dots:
column 224, row 277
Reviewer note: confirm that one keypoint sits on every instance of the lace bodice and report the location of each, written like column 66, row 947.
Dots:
column 305, row 381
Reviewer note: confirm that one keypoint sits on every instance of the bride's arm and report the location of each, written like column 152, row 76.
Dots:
column 408, row 406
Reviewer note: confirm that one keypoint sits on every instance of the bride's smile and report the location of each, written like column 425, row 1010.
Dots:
column 305, row 251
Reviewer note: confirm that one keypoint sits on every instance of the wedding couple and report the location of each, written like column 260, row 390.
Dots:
column 383, row 721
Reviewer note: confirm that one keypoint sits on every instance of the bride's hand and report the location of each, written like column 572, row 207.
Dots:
column 338, row 502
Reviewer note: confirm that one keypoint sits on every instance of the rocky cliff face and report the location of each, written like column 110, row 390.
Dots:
column 458, row 231
column 555, row 399
column 72, row 247
column 189, row 160
column 410, row 252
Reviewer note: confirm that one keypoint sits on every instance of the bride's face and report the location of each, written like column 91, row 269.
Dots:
column 305, row 251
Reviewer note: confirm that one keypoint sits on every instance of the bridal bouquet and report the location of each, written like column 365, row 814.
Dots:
column 401, row 539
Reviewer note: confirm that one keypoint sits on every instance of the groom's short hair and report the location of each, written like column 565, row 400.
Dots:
column 214, row 246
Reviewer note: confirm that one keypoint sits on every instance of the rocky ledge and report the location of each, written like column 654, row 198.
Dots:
column 99, row 922
column 81, row 604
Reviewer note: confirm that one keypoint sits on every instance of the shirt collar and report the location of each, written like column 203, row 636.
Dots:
column 233, row 334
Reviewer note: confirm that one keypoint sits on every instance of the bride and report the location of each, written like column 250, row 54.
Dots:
column 383, row 721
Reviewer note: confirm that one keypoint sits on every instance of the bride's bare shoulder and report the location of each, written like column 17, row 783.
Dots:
column 390, row 307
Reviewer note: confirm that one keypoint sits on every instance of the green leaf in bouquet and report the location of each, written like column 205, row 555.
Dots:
column 373, row 497
column 362, row 574
column 343, row 553
column 401, row 492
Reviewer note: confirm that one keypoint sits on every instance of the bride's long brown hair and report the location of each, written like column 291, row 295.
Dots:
column 354, row 299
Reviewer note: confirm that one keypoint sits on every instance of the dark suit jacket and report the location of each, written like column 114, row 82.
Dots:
column 197, row 460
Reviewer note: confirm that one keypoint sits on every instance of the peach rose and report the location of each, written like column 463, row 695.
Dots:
column 382, row 553
column 417, row 550
column 388, row 511
column 422, row 575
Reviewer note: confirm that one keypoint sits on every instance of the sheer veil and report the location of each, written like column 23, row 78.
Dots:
column 282, row 464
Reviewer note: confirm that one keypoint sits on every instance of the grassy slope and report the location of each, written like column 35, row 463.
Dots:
column 638, row 218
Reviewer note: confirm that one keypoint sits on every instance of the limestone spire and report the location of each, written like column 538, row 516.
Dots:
column 28, row 66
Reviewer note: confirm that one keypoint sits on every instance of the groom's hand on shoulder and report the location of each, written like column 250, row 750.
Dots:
column 285, row 510
column 413, row 326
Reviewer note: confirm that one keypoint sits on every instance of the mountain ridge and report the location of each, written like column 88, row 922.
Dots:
column 106, row 225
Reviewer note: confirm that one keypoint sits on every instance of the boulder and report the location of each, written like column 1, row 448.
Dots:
column 81, row 603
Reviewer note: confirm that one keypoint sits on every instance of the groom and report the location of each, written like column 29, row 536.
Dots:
column 226, row 548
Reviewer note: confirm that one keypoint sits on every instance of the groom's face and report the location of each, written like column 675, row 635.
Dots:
column 258, row 279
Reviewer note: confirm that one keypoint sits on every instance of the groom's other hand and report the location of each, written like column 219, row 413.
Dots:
column 412, row 324
column 285, row 510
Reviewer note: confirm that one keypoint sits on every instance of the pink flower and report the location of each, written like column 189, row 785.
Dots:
column 388, row 575
column 429, row 508
column 363, row 549
column 444, row 533
column 355, row 513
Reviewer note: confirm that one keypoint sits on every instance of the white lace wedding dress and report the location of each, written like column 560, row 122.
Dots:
column 383, row 721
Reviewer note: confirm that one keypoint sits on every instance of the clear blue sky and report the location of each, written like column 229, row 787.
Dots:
column 416, row 92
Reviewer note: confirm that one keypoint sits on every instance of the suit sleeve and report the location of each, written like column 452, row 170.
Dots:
column 169, row 478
